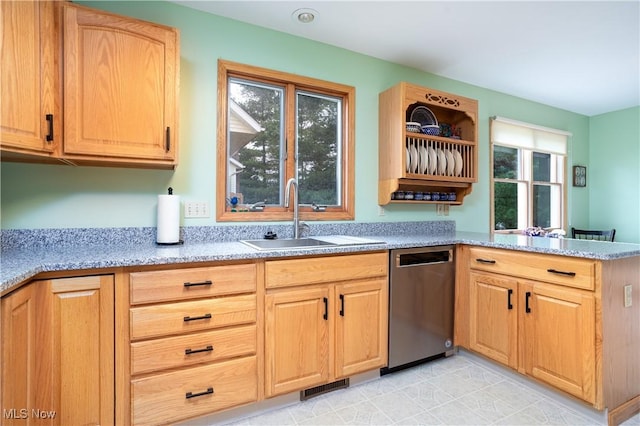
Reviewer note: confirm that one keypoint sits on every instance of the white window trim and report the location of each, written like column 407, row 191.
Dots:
column 528, row 138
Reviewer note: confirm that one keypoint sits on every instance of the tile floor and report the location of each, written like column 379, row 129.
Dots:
column 459, row 390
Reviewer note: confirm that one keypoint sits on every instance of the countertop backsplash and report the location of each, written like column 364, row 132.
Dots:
column 65, row 237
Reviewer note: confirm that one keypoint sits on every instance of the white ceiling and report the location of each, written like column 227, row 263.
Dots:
column 581, row 56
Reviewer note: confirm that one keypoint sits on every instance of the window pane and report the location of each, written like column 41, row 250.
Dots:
column 541, row 167
column 506, row 205
column 255, row 141
column 542, row 206
column 505, row 162
column 319, row 133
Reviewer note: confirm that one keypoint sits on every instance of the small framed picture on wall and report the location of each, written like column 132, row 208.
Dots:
column 579, row 176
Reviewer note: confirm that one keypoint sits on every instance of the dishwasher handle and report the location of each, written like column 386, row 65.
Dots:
column 404, row 260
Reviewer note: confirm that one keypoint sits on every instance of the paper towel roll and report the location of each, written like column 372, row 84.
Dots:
column 168, row 219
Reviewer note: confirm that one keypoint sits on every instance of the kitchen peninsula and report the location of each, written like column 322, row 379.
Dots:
column 129, row 273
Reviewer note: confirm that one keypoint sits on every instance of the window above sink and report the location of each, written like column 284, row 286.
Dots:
column 274, row 126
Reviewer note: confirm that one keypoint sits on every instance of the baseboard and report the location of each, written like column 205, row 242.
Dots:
column 624, row 411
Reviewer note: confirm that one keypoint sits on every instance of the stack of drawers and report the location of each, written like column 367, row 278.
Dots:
column 193, row 341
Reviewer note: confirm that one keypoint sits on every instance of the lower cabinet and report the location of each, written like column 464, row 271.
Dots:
column 20, row 346
column 361, row 314
column 558, row 337
column 193, row 342
column 494, row 317
column 58, row 352
column 320, row 328
column 543, row 330
column 189, row 341
column 297, row 329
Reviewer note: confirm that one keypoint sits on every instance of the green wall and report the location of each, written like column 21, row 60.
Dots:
column 613, row 178
column 41, row 196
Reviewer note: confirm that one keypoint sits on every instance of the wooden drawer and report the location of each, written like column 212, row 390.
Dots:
column 293, row 272
column 180, row 284
column 197, row 315
column 564, row 270
column 180, row 351
column 163, row 398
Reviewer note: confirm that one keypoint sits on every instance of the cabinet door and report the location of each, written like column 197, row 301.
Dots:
column 20, row 349
column 120, row 84
column 79, row 348
column 493, row 317
column 361, row 312
column 27, row 80
column 297, row 339
column 559, row 337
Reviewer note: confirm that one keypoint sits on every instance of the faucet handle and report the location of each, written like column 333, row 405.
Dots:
column 302, row 227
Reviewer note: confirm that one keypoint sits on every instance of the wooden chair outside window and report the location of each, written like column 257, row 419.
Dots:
column 584, row 234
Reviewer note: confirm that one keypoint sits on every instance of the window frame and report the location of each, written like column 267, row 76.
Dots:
column 292, row 83
column 525, row 176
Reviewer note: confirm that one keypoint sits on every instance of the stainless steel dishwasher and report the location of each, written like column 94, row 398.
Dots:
column 421, row 298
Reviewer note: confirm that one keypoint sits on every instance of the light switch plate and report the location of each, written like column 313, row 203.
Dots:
column 196, row 209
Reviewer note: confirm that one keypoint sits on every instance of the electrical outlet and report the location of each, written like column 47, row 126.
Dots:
column 627, row 296
column 381, row 211
column 196, row 209
column 442, row 209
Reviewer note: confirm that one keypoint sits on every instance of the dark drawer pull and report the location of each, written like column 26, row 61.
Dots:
column 193, row 395
column 527, row 296
column 49, row 118
column 209, row 348
column 485, row 261
column 569, row 274
column 207, row 282
column 326, row 308
column 205, row 316
column 509, row 294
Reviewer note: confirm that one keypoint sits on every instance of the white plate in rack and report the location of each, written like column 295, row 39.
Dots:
column 433, row 161
column 458, row 160
column 408, row 159
column 414, row 159
column 424, row 160
column 442, row 162
column 450, row 162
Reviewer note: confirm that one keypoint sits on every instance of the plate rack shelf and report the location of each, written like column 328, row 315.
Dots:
column 418, row 162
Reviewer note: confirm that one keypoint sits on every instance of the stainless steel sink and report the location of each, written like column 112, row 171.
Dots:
column 287, row 243
column 309, row 242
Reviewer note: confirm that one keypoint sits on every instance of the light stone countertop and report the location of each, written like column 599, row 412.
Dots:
column 20, row 263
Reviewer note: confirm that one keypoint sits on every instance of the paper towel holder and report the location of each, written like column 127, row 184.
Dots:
column 175, row 243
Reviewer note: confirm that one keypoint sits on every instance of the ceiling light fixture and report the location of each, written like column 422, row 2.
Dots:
column 306, row 16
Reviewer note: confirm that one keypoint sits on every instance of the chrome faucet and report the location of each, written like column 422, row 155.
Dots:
column 296, row 220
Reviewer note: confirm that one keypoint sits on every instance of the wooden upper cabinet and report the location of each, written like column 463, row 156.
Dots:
column 30, row 117
column 120, row 88
column 443, row 162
